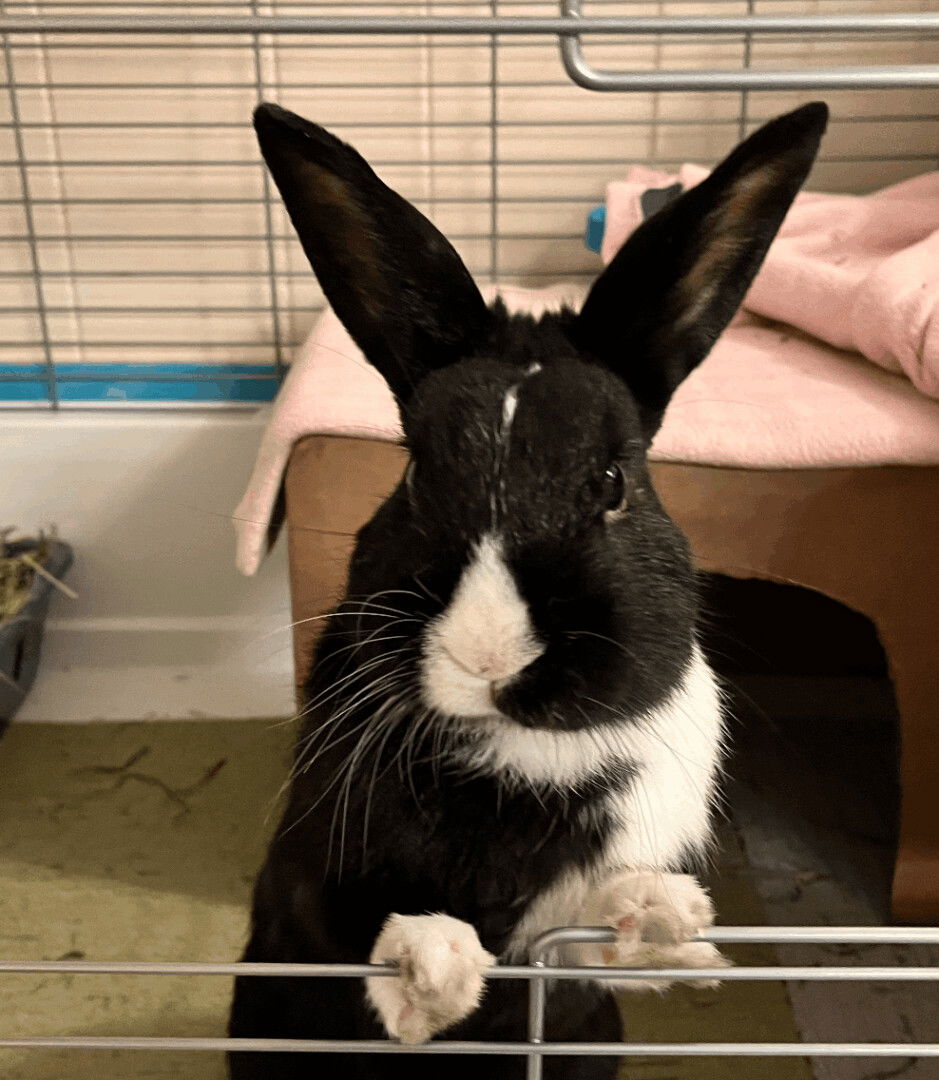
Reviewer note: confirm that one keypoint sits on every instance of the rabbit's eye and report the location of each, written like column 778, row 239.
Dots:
column 614, row 489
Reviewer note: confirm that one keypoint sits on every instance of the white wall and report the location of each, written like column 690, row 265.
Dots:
column 164, row 626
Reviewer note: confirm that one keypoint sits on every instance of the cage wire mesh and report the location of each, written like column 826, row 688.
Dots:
column 543, row 967
column 146, row 258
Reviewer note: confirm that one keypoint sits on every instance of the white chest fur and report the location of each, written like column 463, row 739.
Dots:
column 485, row 636
column 661, row 815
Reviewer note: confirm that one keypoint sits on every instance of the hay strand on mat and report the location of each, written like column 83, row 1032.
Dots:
column 18, row 570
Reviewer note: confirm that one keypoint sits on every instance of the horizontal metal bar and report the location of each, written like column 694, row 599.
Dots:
column 209, row 309
column 516, row 42
column 240, row 125
column 583, row 74
column 826, row 935
column 567, row 935
column 245, row 45
column 507, row 971
column 316, row 43
column 461, row 25
column 234, row 125
column 421, row 200
column 287, row 87
column 500, row 1049
column 603, row 974
column 240, row 4
column 381, row 125
column 588, row 269
column 281, row 87
column 450, row 163
column 129, row 343
column 435, row 200
column 246, row 238
column 131, row 163
column 856, row 78
column 130, row 309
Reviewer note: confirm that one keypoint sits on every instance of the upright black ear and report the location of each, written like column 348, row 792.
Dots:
column 396, row 283
column 676, row 283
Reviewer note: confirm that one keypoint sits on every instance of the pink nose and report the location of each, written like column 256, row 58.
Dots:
column 489, row 666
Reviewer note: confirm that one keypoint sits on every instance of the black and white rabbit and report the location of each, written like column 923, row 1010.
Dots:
column 509, row 723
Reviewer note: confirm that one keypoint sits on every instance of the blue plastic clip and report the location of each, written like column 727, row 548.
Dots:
column 596, row 226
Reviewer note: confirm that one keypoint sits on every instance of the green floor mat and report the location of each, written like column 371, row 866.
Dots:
column 140, row 842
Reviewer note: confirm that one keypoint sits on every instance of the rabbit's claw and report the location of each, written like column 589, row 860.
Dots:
column 441, row 967
column 657, row 917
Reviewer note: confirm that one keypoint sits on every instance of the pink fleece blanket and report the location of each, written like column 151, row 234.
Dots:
column 768, row 397
column 860, row 272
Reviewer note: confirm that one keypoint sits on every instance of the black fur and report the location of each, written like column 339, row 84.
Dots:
column 384, row 813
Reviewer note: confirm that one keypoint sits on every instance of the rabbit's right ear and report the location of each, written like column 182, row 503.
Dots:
column 393, row 279
column 654, row 313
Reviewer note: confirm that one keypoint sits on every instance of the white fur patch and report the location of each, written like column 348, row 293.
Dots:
column 666, row 810
column 509, row 405
column 440, row 981
column 484, row 637
column 661, row 814
column 510, row 402
column 683, row 733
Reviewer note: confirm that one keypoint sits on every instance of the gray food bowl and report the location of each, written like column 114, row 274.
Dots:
column 21, row 636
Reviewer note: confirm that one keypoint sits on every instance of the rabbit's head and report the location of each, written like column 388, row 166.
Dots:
column 537, row 577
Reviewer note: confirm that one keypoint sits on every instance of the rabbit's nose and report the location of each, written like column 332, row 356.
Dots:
column 484, row 636
column 494, row 665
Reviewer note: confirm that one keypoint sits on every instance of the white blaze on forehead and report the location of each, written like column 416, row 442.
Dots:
column 509, row 405
column 484, row 636
column 510, row 401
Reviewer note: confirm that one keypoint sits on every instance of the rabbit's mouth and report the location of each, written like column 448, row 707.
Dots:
column 530, row 695
column 482, row 642
column 452, row 688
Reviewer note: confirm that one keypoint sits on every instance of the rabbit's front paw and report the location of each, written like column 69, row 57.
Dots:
column 656, row 917
column 440, row 981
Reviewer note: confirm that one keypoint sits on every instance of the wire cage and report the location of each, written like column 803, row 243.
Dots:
column 538, row 973
column 146, row 261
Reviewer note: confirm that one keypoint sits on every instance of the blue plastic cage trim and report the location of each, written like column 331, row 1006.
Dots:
column 141, row 383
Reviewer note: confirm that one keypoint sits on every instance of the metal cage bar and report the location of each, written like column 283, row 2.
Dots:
column 571, row 24
column 538, row 972
column 21, row 163
column 859, row 78
column 269, row 238
column 94, row 289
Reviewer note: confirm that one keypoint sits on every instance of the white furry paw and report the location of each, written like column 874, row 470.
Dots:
column 440, row 981
column 656, row 917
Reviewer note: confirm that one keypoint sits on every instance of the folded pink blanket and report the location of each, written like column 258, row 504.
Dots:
column 860, row 272
column 765, row 398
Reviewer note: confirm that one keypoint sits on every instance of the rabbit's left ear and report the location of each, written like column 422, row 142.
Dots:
column 393, row 279
column 673, row 287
